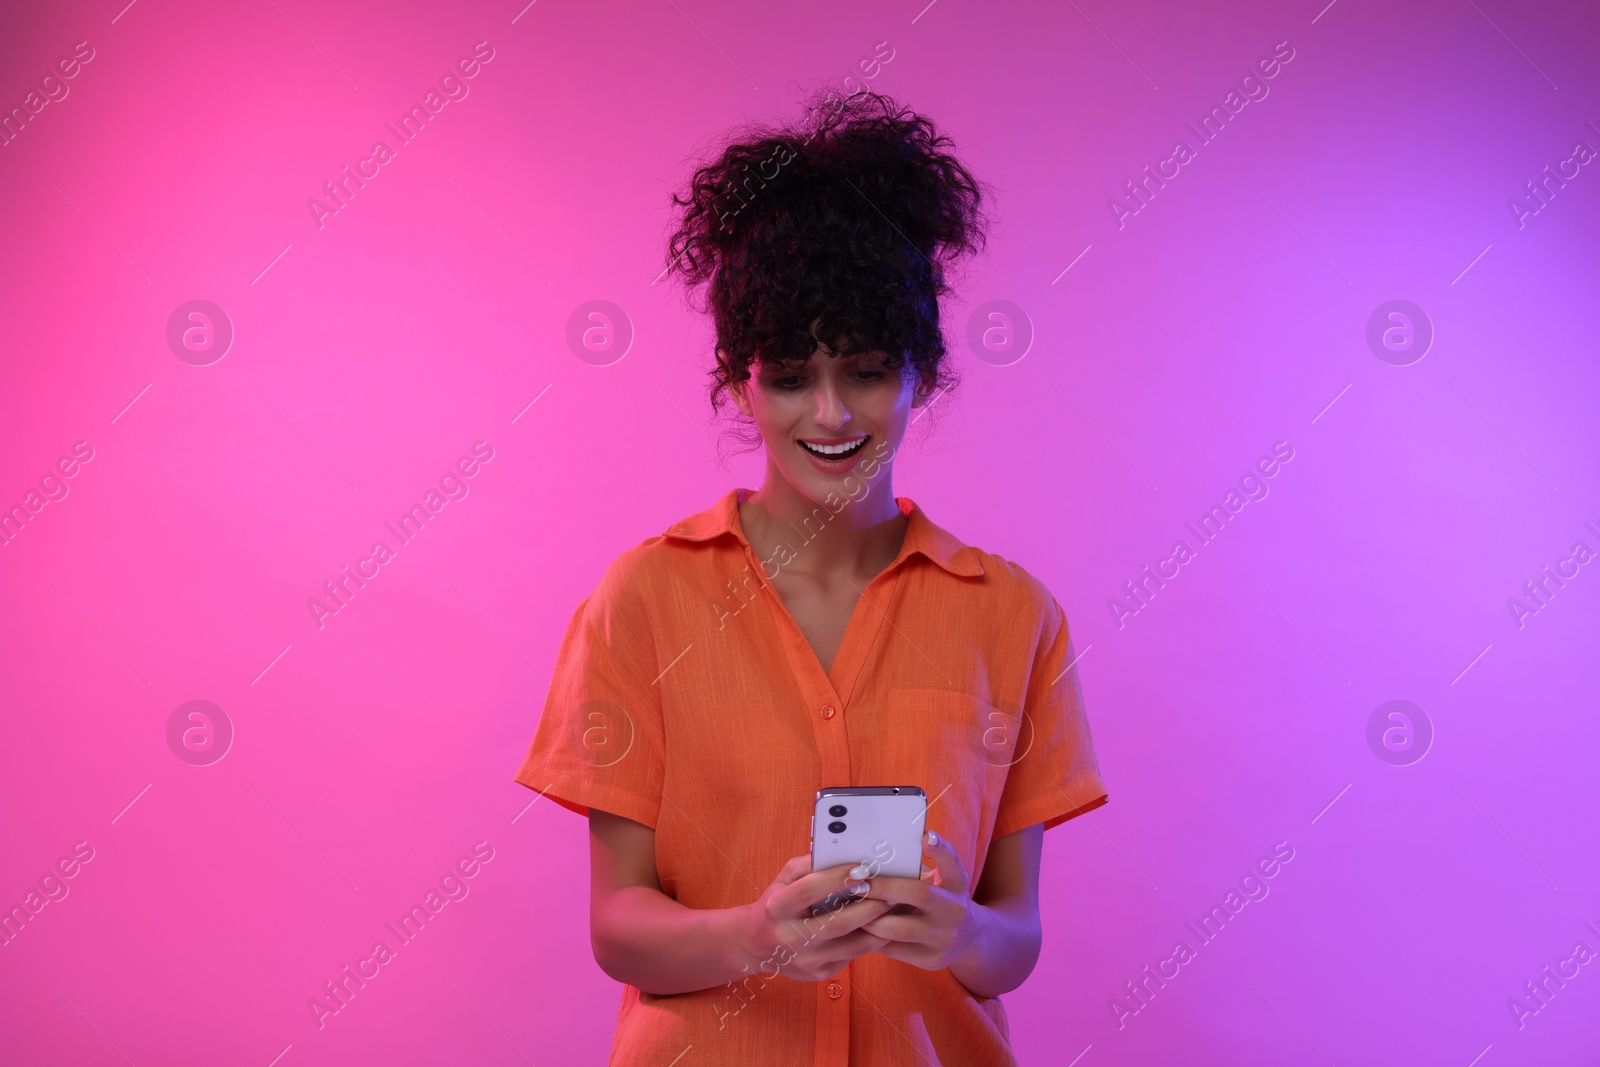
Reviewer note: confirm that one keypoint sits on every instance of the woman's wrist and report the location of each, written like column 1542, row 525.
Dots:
column 999, row 954
column 732, row 930
column 970, row 963
column 665, row 948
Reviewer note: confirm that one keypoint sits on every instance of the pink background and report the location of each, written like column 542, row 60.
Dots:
column 1228, row 714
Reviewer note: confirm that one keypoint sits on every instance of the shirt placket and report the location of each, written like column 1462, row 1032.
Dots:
column 826, row 704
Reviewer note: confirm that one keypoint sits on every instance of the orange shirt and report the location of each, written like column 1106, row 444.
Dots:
column 686, row 698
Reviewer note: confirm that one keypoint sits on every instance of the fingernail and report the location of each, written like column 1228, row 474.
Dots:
column 933, row 839
column 859, row 871
column 856, row 888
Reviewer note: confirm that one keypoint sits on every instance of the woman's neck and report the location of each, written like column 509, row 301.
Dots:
column 857, row 541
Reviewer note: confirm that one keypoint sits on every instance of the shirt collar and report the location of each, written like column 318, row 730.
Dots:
column 922, row 535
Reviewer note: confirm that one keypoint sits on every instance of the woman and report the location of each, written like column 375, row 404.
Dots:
column 820, row 632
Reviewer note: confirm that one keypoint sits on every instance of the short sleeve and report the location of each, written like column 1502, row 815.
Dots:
column 598, row 742
column 1058, row 775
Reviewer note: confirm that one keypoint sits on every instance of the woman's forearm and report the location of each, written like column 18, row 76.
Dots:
column 646, row 939
column 1004, row 947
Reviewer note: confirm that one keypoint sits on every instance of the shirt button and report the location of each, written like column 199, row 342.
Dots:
column 835, row 990
column 827, row 711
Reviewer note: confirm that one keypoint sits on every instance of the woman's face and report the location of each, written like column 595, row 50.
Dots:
column 822, row 418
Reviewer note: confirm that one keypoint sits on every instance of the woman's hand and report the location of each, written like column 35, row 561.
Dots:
column 943, row 926
column 784, row 937
column 648, row 940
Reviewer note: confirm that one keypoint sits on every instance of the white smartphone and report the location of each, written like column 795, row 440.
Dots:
column 880, row 826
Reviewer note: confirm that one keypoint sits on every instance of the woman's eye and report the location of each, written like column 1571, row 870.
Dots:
column 791, row 381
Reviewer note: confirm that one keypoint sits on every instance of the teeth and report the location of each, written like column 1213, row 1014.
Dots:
column 835, row 450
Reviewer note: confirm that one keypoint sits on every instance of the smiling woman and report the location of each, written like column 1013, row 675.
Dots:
column 872, row 648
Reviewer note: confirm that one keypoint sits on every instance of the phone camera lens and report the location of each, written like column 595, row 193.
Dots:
column 837, row 811
column 836, row 828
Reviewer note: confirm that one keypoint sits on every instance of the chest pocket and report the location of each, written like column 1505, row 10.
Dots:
column 957, row 747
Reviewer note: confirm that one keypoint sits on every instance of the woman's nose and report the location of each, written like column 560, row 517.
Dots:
column 830, row 408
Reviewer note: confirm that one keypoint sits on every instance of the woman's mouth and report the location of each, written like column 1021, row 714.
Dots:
column 835, row 453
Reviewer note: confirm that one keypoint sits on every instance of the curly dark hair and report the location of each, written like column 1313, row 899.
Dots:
column 840, row 228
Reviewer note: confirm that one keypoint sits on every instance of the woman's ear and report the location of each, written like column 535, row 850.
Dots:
column 741, row 397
